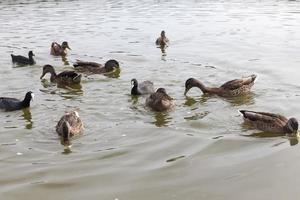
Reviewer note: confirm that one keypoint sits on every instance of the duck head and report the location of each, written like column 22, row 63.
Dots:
column 161, row 90
column 292, row 126
column 191, row 82
column 48, row 69
column 111, row 65
column 28, row 97
column 134, row 82
column 30, row 54
column 163, row 34
column 65, row 45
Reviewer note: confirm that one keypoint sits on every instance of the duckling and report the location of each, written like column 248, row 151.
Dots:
column 65, row 77
column 96, row 68
column 23, row 60
column 68, row 126
column 160, row 101
column 270, row 122
column 232, row 88
column 146, row 87
column 11, row 104
column 59, row 50
column 162, row 40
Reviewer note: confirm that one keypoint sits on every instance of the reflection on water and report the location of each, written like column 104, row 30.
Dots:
column 28, row 118
column 162, row 119
column 247, row 99
column 65, row 60
column 114, row 74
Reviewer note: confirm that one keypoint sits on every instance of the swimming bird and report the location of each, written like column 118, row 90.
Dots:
column 270, row 122
column 23, row 60
column 68, row 126
column 65, row 77
column 11, row 104
column 59, row 50
column 160, row 100
column 96, row 68
column 229, row 89
column 162, row 40
column 146, row 87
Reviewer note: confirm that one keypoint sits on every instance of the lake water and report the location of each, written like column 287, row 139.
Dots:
column 198, row 151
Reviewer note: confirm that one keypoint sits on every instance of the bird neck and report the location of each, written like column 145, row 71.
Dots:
column 26, row 102
column 135, row 90
column 205, row 89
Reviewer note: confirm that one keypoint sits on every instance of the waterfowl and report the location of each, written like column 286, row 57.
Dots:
column 68, row 126
column 229, row 89
column 162, row 40
column 160, row 100
column 270, row 122
column 23, row 60
column 67, row 77
column 59, row 50
column 11, row 104
column 146, row 87
column 96, row 68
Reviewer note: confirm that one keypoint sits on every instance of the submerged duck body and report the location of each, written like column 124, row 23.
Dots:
column 11, row 104
column 160, row 101
column 68, row 126
column 270, row 122
column 145, row 87
column 59, row 50
column 96, row 68
column 67, row 77
column 23, row 60
column 232, row 88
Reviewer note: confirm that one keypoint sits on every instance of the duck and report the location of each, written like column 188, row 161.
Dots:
column 65, row 77
column 12, row 104
column 160, row 101
column 96, row 68
column 68, row 126
column 22, row 59
column 59, row 50
column 270, row 122
column 145, row 87
column 162, row 40
column 231, row 88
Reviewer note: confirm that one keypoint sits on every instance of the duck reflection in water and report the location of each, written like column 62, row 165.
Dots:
column 27, row 117
column 162, row 119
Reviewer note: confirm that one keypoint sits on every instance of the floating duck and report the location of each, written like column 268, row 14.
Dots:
column 160, row 100
column 65, row 77
column 11, row 104
column 59, row 50
column 146, row 87
column 68, row 126
column 96, row 68
column 162, row 40
column 23, row 60
column 270, row 122
column 232, row 88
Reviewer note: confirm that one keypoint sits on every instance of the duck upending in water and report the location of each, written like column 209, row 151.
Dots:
column 162, row 40
column 23, row 60
column 270, row 122
column 68, row 126
column 146, row 87
column 160, row 101
column 11, row 104
column 232, row 88
column 96, row 68
column 65, row 77
column 59, row 50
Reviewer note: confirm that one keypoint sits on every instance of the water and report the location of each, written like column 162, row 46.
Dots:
column 197, row 151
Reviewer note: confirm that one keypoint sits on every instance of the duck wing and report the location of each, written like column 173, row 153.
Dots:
column 87, row 64
column 146, row 87
column 237, row 83
column 56, row 49
column 20, row 59
column 264, row 117
column 10, row 104
column 76, row 125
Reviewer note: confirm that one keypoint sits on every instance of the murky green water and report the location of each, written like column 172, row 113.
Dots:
column 197, row 151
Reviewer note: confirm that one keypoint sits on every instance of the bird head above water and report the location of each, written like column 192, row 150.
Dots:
column 292, row 125
column 65, row 45
column 111, row 65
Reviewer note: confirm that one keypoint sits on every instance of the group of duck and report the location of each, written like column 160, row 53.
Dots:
column 70, row 124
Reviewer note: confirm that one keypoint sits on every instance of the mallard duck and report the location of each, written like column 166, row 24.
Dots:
column 68, row 77
column 162, row 40
column 229, row 89
column 23, row 60
column 11, row 104
column 59, row 50
column 96, row 68
column 270, row 122
column 146, row 87
column 160, row 100
column 68, row 126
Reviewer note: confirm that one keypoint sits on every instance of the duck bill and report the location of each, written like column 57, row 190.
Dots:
column 68, row 47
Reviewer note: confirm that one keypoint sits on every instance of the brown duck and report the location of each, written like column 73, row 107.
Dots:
column 160, row 101
column 162, row 40
column 68, row 126
column 232, row 88
column 96, row 68
column 59, row 50
column 65, row 77
column 270, row 122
